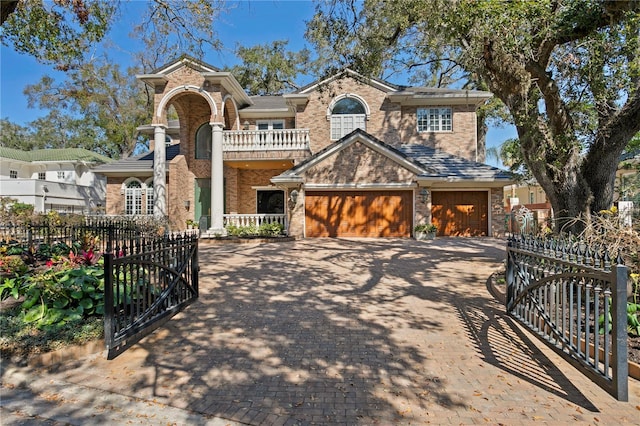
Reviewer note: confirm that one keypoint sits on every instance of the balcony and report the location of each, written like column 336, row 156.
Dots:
column 265, row 140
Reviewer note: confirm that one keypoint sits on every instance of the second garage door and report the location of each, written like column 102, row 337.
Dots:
column 460, row 213
column 358, row 214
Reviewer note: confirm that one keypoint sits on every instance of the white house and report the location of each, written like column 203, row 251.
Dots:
column 53, row 179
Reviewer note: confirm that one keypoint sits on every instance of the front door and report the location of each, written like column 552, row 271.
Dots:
column 203, row 200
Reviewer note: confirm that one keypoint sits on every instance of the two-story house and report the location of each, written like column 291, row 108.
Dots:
column 53, row 179
column 345, row 156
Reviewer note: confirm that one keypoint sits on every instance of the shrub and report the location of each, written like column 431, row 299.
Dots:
column 58, row 296
column 425, row 227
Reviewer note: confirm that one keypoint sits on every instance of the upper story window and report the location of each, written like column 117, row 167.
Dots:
column 270, row 124
column 61, row 175
column 42, row 175
column 203, row 142
column 347, row 115
column 13, row 174
column 434, row 120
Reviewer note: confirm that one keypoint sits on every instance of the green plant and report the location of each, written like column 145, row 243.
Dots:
column 425, row 227
column 60, row 296
column 271, row 229
column 633, row 324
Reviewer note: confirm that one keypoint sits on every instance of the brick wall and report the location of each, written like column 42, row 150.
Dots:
column 358, row 163
column 180, row 188
column 388, row 121
column 247, row 179
column 460, row 141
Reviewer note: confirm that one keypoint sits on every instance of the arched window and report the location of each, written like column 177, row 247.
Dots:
column 149, row 206
column 203, row 142
column 347, row 115
column 133, row 198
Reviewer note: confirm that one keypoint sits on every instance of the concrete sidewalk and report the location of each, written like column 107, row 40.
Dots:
column 328, row 331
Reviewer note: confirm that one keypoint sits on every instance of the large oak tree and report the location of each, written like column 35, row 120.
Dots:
column 567, row 70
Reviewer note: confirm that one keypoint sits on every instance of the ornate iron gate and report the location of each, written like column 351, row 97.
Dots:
column 574, row 300
column 146, row 285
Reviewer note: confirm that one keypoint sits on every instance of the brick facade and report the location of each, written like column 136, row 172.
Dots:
column 358, row 164
column 198, row 102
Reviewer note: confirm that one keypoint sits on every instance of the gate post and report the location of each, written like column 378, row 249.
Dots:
column 619, row 349
column 510, row 275
column 109, row 324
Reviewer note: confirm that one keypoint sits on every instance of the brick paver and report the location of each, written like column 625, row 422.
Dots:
column 336, row 331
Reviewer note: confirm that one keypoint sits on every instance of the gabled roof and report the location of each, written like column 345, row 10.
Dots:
column 385, row 86
column 54, row 155
column 142, row 163
column 185, row 59
column 428, row 164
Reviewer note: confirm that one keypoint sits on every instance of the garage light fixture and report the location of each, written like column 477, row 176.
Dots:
column 294, row 196
column 424, row 195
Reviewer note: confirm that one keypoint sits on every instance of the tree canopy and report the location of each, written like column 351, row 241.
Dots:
column 102, row 106
column 567, row 70
column 269, row 69
column 63, row 32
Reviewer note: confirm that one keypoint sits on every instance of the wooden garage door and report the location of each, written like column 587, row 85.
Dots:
column 461, row 213
column 358, row 214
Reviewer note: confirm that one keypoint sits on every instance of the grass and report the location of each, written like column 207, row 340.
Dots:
column 19, row 340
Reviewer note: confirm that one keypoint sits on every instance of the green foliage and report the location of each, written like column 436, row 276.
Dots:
column 19, row 339
column 111, row 103
column 60, row 32
column 265, row 230
column 633, row 320
column 268, row 69
column 425, row 227
column 60, row 296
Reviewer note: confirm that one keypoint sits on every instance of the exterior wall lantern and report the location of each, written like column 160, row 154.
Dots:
column 293, row 197
column 245, row 125
column 187, row 204
column 424, row 195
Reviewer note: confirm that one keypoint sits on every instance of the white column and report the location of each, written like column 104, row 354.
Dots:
column 159, row 172
column 217, row 181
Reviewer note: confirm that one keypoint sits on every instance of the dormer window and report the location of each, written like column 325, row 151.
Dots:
column 347, row 114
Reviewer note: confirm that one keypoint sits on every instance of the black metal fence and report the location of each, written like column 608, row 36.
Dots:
column 574, row 300
column 102, row 232
column 145, row 285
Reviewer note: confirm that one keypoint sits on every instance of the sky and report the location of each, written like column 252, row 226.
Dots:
column 248, row 23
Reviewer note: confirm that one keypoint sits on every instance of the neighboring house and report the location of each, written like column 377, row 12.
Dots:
column 532, row 196
column 345, row 156
column 628, row 178
column 53, row 179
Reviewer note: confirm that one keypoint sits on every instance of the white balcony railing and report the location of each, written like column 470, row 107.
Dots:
column 265, row 140
column 252, row 219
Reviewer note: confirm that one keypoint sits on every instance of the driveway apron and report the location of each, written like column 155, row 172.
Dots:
column 350, row 331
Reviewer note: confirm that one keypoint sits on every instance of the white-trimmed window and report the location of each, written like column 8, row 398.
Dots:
column 61, row 175
column 42, row 175
column 203, row 142
column 434, row 119
column 149, row 198
column 133, row 198
column 270, row 124
column 13, row 174
column 347, row 115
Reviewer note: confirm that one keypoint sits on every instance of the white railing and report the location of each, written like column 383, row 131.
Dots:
column 265, row 140
column 252, row 219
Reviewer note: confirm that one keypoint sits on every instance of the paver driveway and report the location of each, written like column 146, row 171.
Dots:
column 336, row 331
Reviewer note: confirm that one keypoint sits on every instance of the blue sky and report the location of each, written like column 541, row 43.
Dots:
column 248, row 23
